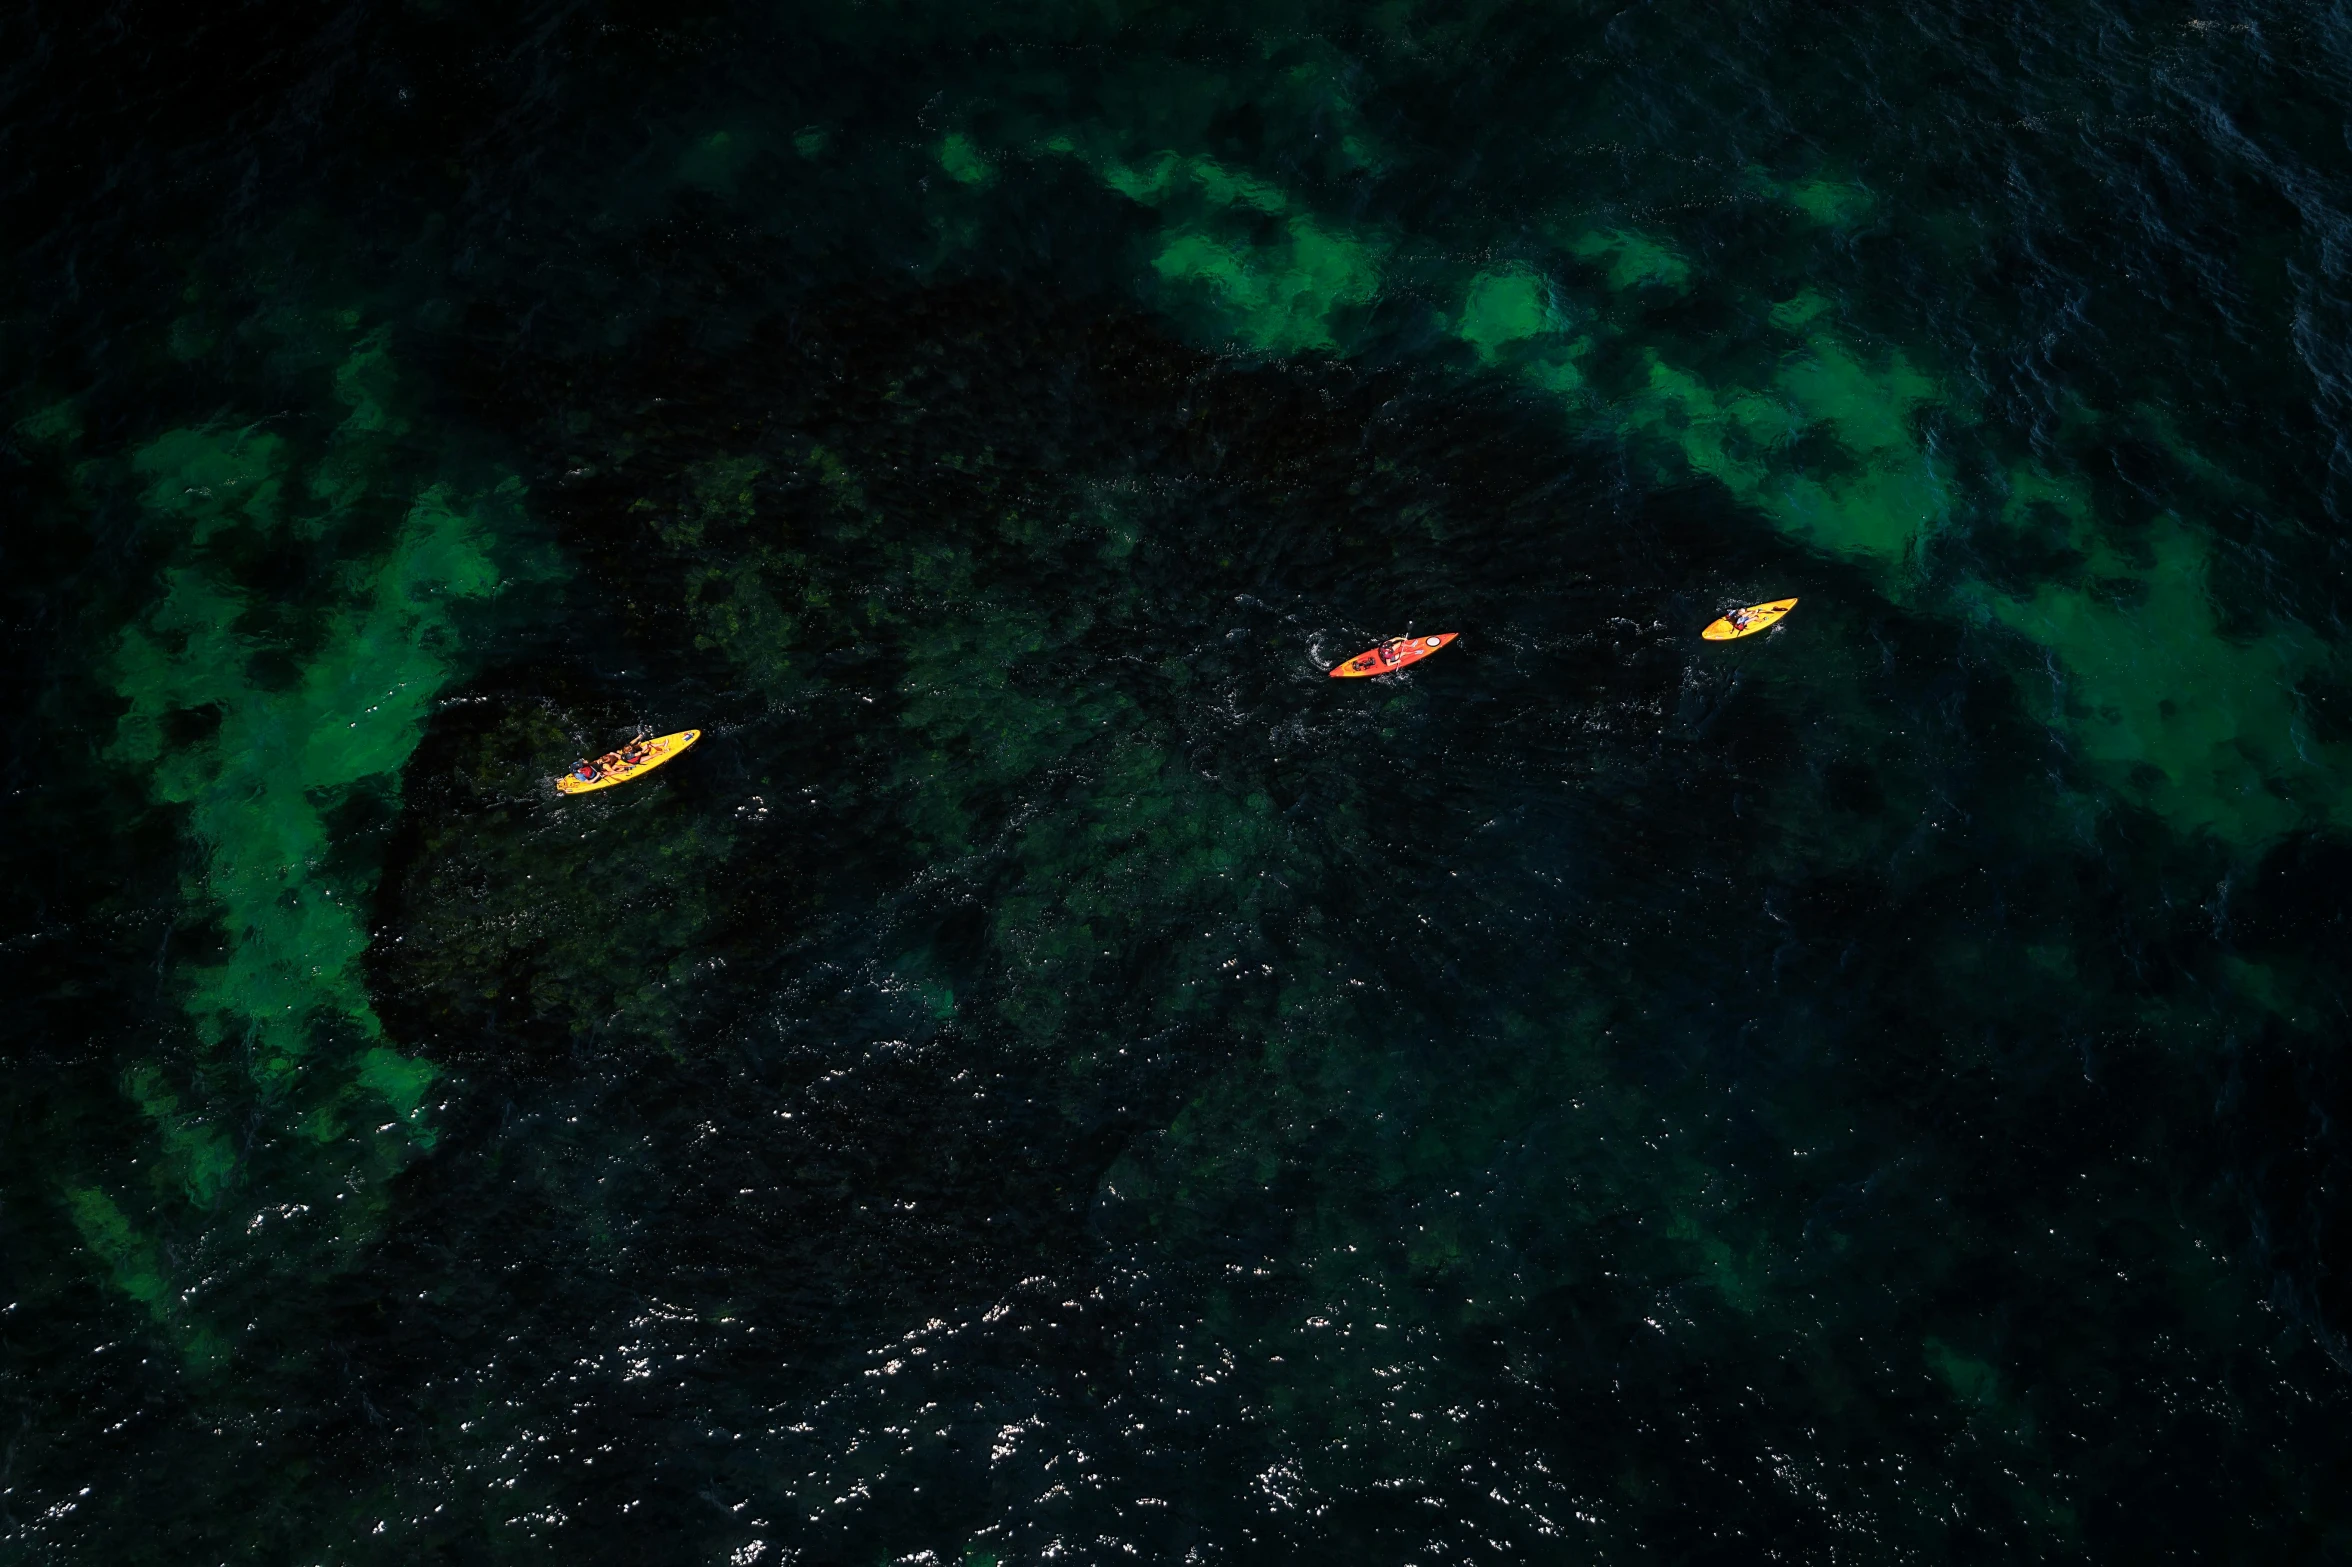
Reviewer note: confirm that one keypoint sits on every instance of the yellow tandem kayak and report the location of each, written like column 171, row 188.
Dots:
column 1747, row 622
column 613, row 768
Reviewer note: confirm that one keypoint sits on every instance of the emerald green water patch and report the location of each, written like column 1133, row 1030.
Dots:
column 401, row 1082
column 136, row 1267
column 2201, row 727
column 1799, row 311
column 1830, row 202
column 963, row 160
column 1506, row 307
column 274, row 722
column 281, row 757
column 1879, row 507
column 1281, row 297
column 131, row 1257
column 1830, row 448
column 1634, row 260
column 213, row 478
column 1514, row 316
column 1281, row 280
column 57, row 424
column 1873, row 410
column 1840, row 204
column 197, row 1157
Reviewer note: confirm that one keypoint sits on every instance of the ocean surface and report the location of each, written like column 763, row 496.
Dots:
column 1051, row 1076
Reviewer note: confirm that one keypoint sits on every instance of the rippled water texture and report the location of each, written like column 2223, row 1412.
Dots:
column 1052, row 1076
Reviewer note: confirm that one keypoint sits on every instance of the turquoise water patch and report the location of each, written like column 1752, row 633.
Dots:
column 2205, row 729
column 1513, row 316
column 282, row 757
column 262, row 720
column 964, row 162
column 1281, row 280
column 1632, row 260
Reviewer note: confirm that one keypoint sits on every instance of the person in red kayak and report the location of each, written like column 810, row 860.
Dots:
column 1388, row 655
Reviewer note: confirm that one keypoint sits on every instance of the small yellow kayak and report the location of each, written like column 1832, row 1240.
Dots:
column 1747, row 622
column 617, row 767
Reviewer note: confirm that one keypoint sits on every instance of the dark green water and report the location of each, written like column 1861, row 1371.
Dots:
column 1052, row 1076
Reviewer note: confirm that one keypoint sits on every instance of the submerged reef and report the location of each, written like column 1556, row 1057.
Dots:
column 271, row 694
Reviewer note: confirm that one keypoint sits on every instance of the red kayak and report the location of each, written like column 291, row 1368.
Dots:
column 1392, row 656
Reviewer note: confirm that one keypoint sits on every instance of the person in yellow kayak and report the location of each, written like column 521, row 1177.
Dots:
column 631, row 755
